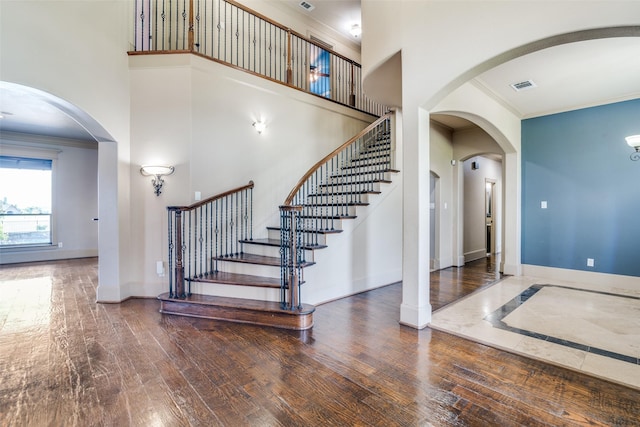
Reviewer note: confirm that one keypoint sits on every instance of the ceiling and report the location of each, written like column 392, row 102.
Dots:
column 566, row 77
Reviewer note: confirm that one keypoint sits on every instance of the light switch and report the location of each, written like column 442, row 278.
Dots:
column 198, row 196
column 543, row 204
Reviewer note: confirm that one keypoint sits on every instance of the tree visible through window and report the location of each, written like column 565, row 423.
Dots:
column 25, row 201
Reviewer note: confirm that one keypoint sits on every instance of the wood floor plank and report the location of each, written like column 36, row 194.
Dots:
column 65, row 360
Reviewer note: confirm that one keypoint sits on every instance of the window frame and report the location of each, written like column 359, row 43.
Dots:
column 29, row 152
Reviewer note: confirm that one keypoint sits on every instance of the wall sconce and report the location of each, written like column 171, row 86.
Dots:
column 355, row 30
column 634, row 142
column 260, row 126
column 157, row 172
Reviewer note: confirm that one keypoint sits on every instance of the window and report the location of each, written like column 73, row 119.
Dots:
column 319, row 71
column 25, row 201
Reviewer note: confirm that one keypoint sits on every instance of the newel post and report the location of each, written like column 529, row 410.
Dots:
column 179, row 268
column 290, row 247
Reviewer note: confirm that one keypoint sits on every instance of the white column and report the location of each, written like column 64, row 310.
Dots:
column 108, row 289
column 511, row 245
column 415, row 310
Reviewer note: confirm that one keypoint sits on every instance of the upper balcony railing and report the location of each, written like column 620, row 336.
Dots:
column 230, row 33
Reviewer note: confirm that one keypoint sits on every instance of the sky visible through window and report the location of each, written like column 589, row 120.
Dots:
column 25, row 207
column 25, row 189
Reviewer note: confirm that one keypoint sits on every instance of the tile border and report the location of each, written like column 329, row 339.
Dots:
column 495, row 318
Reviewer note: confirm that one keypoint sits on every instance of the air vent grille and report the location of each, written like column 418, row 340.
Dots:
column 523, row 85
column 306, row 6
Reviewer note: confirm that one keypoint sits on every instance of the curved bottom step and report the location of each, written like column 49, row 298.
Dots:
column 264, row 313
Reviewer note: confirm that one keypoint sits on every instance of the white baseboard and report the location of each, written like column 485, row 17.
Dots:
column 474, row 255
column 603, row 280
column 45, row 254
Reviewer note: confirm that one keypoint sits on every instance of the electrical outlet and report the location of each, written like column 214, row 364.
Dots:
column 59, row 244
column 590, row 262
column 160, row 268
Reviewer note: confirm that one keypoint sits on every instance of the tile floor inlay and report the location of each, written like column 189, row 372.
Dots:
column 590, row 328
column 557, row 333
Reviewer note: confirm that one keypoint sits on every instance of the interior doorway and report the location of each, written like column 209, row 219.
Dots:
column 490, row 209
column 433, row 229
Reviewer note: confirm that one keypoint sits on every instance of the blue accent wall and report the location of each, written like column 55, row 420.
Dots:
column 578, row 162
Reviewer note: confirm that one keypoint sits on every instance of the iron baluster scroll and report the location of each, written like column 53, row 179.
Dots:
column 201, row 233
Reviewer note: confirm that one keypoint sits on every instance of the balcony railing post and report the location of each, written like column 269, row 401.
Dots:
column 289, row 68
column 352, row 93
column 191, row 35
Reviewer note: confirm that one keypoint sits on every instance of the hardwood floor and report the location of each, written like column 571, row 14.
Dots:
column 67, row 361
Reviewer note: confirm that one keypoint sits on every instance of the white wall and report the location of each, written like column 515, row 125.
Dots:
column 197, row 115
column 75, row 187
column 474, row 242
column 303, row 23
column 441, row 153
column 77, row 51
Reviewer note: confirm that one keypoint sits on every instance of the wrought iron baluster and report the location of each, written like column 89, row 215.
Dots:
column 237, row 239
column 218, row 247
column 171, row 248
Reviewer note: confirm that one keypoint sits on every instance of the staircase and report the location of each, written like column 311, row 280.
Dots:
column 220, row 253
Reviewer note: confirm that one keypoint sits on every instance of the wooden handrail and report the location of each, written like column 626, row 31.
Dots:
column 287, row 29
column 315, row 167
column 210, row 199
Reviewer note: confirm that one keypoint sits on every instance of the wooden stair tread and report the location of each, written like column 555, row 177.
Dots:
column 333, row 205
column 335, row 217
column 341, row 193
column 247, row 258
column 238, row 310
column 363, row 166
column 370, row 181
column 373, row 172
column 367, row 158
column 276, row 243
column 309, row 230
column 227, row 278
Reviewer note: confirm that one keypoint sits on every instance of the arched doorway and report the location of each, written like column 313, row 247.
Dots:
column 39, row 114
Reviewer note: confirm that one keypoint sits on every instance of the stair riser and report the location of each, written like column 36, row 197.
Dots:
column 238, row 315
column 354, row 179
column 360, row 169
column 235, row 291
column 320, row 238
column 376, row 148
column 328, row 211
column 251, row 269
column 340, row 199
column 271, row 251
column 375, row 186
column 322, row 224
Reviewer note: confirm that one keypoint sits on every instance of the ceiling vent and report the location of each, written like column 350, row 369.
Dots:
column 524, row 85
column 306, row 6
